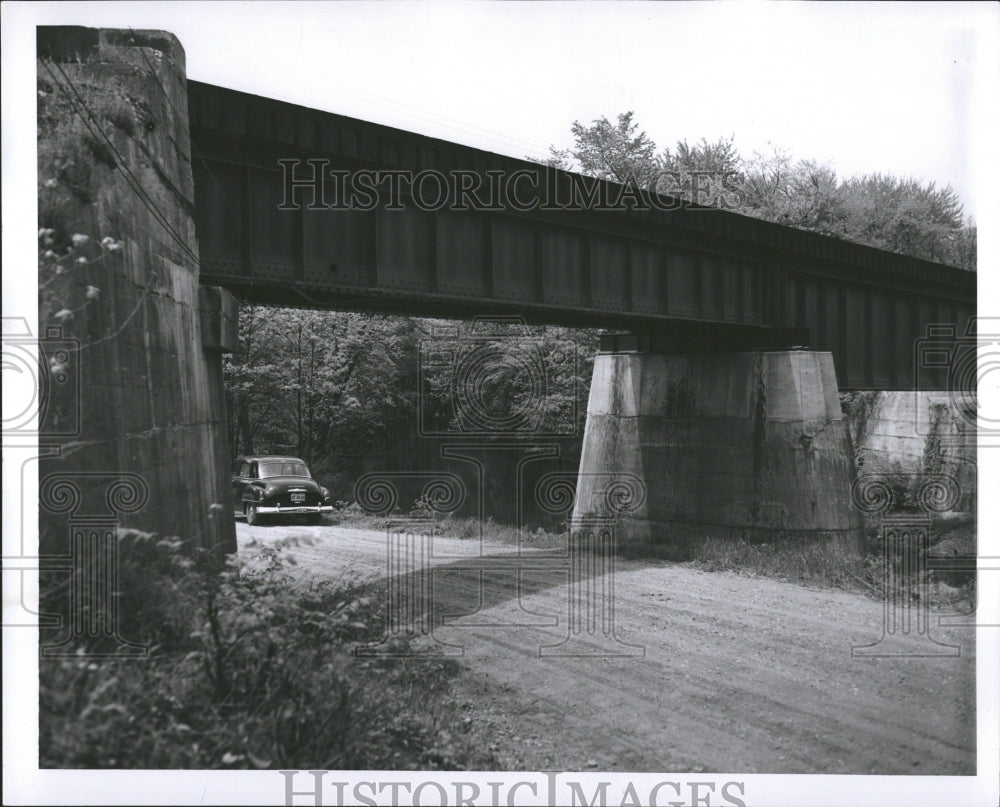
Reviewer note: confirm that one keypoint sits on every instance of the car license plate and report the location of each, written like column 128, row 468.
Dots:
column 298, row 497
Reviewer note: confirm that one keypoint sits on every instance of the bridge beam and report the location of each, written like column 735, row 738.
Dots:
column 728, row 445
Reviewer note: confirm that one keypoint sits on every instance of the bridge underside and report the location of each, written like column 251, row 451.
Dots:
column 720, row 393
column 275, row 228
column 706, row 401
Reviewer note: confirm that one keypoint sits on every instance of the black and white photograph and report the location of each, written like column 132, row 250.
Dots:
column 501, row 403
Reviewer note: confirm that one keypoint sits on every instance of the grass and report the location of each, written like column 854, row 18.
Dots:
column 246, row 671
column 831, row 567
column 351, row 515
column 804, row 563
column 816, row 565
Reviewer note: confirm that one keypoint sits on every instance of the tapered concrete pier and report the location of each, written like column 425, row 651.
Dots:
column 749, row 445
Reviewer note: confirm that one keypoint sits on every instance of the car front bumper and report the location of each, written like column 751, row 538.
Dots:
column 294, row 509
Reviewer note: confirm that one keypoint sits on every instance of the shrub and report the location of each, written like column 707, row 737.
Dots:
column 815, row 564
column 246, row 671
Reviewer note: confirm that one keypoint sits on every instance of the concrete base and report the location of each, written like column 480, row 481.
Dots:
column 730, row 445
column 138, row 426
column 909, row 434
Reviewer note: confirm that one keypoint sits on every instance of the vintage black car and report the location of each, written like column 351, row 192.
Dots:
column 277, row 486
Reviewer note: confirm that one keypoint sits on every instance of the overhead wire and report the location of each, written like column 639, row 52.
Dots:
column 428, row 116
column 194, row 148
column 315, row 82
column 121, row 165
column 131, row 180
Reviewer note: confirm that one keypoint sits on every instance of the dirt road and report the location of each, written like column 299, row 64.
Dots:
column 725, row 673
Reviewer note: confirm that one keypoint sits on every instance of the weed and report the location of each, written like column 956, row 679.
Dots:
column 831, row 567
column 814, row 564
column 246, row 671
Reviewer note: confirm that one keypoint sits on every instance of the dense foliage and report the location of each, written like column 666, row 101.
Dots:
column 901, row 215
column 336, row 389
column 320, row 385
column 247, row 669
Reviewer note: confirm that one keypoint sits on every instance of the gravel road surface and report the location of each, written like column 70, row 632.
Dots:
column 712, row 671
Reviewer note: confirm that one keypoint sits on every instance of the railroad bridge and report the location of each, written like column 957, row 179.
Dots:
column 716, row 386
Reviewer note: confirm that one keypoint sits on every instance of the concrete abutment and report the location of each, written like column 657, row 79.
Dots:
column 743, row 445
column 906, row 437
column 748, row 444
column 137, row 425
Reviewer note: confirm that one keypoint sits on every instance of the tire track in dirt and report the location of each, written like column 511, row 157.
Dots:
column 739, row 674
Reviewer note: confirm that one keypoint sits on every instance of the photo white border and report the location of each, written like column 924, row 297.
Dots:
column 25, row 784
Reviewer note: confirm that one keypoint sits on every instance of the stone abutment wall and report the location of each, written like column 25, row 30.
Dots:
column 133, row 400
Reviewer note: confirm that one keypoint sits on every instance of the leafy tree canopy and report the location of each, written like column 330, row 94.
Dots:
column 903, row 215
column 609, row 151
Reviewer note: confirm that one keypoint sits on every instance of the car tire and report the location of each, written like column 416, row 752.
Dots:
column 253, row 517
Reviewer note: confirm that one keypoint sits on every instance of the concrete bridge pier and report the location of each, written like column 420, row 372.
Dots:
column 137, row 422
column 733, row 445
column 904, row 436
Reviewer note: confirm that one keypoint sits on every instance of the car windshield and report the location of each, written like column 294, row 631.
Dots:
column 283, row 468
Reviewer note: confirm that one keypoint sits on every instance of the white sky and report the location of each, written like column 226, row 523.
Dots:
column 864, row 87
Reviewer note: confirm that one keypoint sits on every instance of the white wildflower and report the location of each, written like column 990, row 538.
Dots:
column 57, row 367
column 79, row 239
column 93, row 292
column 63, row 314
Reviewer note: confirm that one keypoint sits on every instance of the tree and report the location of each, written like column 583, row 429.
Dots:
column 965, row 245
column 609, row 151
column 765, row 183
column 318, row 384
column 904, row 215
column 335, row 388
column 900, row 215
column 719, row 157
column 703, row 173
column 803, row 194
